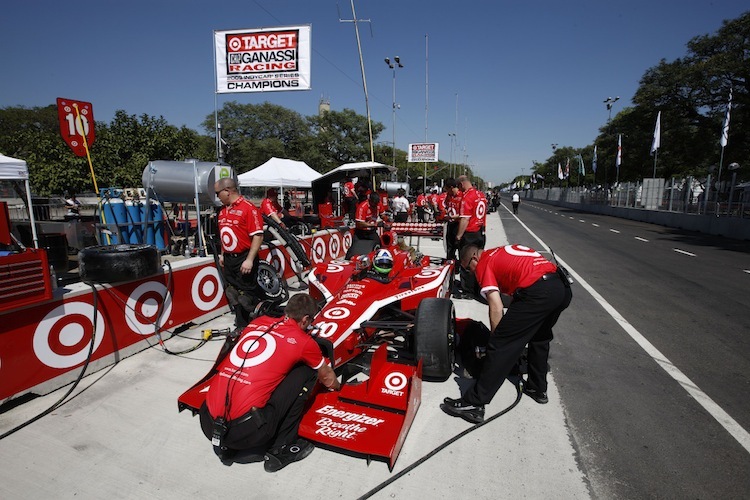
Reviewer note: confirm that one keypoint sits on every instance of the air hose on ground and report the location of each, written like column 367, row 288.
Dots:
column 408, row 469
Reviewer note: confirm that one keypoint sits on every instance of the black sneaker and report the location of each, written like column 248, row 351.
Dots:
column 460, row 408
column 538, row 396
column 278, row 458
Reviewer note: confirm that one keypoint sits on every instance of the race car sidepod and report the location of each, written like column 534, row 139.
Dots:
column 370, row 418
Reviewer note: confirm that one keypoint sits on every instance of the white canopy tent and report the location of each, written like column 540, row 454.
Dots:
column 279, row 172
column 13, row 169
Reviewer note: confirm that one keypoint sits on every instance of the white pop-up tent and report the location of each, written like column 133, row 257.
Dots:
column 279, row 172
column 13, row 169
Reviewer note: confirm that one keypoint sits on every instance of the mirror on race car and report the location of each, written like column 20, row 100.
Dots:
column 363, row 262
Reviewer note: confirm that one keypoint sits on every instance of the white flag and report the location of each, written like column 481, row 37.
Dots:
column 657, row 134
column 725, row 128
column 581, row 167
column 618, row 162
column 593, row 162
column 559, row 171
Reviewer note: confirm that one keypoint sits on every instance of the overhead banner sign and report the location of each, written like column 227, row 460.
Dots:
column 262, row 60
column 423, row 151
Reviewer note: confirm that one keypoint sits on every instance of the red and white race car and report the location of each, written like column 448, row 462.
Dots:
column 395, row 329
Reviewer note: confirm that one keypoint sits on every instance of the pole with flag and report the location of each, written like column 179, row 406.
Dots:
column 593, row 165
column 723, row 141
column 560, row 173
column 618, row 161
column 657, row 140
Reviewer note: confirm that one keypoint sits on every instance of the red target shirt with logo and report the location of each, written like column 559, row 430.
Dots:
column 260, row 360
column 474, row 206
column 509, row 268
column 238, row 223
column 269, row 206
column 364, row 212
column 453, row 204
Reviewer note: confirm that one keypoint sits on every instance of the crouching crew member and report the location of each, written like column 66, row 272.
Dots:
column 256, row 400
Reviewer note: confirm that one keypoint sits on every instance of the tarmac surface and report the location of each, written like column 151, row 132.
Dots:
column 119, row 435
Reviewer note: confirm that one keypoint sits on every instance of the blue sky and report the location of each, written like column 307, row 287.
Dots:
column 508, row 77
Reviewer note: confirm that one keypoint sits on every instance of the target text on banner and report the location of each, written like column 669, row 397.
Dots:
column 423, row 151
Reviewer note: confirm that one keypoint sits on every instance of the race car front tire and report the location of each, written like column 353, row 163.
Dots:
column 433, row 335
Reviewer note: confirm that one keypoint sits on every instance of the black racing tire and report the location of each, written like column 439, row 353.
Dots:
column 270, row 283
column 116, row 263
column 433, row 336
column 291, row 241
column 361, row 247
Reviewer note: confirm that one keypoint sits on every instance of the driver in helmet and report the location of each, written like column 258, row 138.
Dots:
column 382, row 263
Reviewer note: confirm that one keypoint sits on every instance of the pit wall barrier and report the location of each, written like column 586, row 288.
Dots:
column 43, row 347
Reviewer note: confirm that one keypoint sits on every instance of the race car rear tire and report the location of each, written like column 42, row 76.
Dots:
column 432, row 338
column 116, row 263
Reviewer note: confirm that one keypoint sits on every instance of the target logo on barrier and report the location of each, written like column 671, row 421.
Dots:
column 206, row 289
column 318, row 250
column 394, row 382
column 337, row 313
column 253, row 349
column 63, row 338
column 429, row 273
column 334, row 246
column 334, row 268
column 277, row 259
column 347, row 241
column 146, row 304
column 229, row 240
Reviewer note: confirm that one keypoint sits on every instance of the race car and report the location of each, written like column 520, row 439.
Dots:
column 386, row 322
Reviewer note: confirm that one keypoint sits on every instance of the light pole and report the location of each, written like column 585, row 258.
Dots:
column 609, row 102
column 393, row 65
column 452, row 135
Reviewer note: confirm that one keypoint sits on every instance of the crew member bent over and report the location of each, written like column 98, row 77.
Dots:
column 241, row 233
column 540, row 293
column 255, row 403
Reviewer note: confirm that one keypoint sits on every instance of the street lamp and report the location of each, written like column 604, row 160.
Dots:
column 393, row 65
column 452, row 135
column 609, row 102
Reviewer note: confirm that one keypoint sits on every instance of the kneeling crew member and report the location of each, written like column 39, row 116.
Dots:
column 257, row 397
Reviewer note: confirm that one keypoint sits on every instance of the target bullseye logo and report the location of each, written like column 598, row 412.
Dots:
column 253, row 349
column 319, row 250
column 337, row 313
column 521, row 251
column 334, row 246
column 395, row 383
column 228, row 239
column 481, row 210
column 206, row 289
column 429, row 273
column 147, row 303
column 63, row 338
column 334, row 268
column 277, row 260
column 347, row 241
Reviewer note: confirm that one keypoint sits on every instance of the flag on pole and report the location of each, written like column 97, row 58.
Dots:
column 593, row 162
column 657, row 134
column 581, row 168
column 725, row 128
column 618, row 162
column 559, row 171
column 567, row 168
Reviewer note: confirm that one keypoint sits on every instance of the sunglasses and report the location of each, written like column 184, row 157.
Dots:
column 468, row 264
column 219, row 191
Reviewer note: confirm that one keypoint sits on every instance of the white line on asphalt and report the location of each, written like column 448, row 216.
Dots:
column 615, row 231
column 683, row 252
column 747, row 271
column 722, row 417
column 594, row 224
column 641, row 239
column 581, row 220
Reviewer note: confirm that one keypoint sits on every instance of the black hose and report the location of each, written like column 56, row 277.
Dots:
column 72, row 387
column 519, row 390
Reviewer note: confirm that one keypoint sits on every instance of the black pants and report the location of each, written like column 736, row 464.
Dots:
column 275, row 424
column 515, row 206
column 451, row 244
column 244, row 283
column 529, row 320
column 401, row 216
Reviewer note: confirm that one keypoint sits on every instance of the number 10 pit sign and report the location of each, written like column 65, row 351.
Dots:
column 262, row 60
column 76, row 124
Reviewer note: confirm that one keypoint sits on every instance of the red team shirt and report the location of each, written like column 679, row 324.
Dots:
column 257, row 365
column 269, row 207
column 474, row 206
column 509, row 268
column 238, row 223
column 453, row 204
column 364, row 212
column 349, row 190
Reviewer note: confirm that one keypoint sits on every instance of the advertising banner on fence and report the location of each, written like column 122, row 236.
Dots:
column 263, row 60
column 423, row 151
